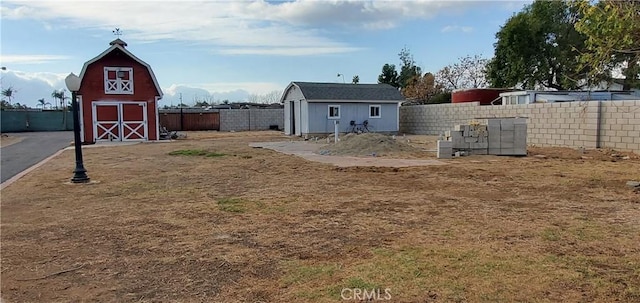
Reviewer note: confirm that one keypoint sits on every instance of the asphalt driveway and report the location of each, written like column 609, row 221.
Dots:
column 34, row 147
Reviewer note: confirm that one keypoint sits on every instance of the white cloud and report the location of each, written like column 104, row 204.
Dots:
column 352, row 13
column 220, row 87
column 301, row 27
column 454, row 28
column 29, row 87
column 54, row 80
column 232, row 91
column 30, row 59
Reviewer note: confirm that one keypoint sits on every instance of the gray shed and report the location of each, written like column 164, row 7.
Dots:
column 314, row 108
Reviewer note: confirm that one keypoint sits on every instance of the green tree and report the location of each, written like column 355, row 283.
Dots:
column 539, row 47
column 443, row 97
column 41, row 102
column 4, row 104
column 389, row 75
column 423, row 89
column 612, row 29
column 356, row 79
column 409, row 71
column 201, row 104
column 20, row 106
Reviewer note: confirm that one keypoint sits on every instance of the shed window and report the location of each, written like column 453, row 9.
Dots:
column 118, row 80
column 374, row 111
column 334, row 111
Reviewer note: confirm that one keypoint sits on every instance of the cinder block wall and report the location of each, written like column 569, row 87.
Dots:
column 251, row 119
column 570, row 124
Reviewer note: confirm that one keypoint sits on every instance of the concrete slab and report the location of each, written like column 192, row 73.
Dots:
column 507, row 125
column 307, row 150
column 506, row 144
column 507, row 136
column 494, row 151
column 445, row 149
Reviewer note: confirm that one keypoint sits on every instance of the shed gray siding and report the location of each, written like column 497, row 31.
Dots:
column 319, row 121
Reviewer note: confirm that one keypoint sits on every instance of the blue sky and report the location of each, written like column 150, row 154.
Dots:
column 230, row 49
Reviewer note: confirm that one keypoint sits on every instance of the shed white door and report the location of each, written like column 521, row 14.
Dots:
column 120, row 121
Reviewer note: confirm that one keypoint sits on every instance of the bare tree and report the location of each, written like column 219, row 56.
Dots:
column 253, row 98
column 272, row 97
column 469, row 72
column 268, row 98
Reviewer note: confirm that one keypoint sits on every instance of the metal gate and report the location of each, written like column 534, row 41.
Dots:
column 120, row 121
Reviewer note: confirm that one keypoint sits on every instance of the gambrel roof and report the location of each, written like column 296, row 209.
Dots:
column 119, row 45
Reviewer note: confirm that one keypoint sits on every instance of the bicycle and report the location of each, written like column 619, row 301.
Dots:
column 359, row 128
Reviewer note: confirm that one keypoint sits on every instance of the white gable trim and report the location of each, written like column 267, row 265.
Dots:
column 109, row 50
column 286, row 91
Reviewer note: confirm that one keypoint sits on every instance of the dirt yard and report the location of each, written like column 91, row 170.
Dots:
column 210, row 219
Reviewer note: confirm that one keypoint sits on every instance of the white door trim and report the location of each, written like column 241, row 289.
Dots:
column 134, row 127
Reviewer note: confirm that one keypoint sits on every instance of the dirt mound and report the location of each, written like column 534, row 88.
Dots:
column 368, row 144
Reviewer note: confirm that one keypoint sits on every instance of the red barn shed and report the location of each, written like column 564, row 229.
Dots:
column 118, row 97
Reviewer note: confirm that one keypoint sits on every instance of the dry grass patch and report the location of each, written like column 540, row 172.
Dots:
column 259, row 226
column 196, row 152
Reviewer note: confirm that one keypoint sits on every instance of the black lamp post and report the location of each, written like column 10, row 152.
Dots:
column 79, row 173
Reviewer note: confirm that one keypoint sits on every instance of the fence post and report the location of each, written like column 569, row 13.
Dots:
column 599, row 124
column 181, row 119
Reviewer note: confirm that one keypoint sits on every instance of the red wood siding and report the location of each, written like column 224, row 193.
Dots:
column 92, row 89
column 484, row 96
column 190, row 121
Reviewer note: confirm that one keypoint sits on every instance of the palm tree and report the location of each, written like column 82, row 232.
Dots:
column 41, row 102
column 58, row 96
column 9, row 92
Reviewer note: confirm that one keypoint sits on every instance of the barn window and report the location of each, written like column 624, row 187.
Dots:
column 374, row 111
column 334, row 111
column 118, row 80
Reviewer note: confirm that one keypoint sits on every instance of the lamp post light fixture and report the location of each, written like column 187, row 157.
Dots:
column 79, row 173
column 341, row 75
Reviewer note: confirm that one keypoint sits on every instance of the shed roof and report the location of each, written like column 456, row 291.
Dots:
column 118, row 44
column 315, row 91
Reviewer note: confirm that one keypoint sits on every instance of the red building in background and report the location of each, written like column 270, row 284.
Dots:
column 483, row 95
column 118, row 97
